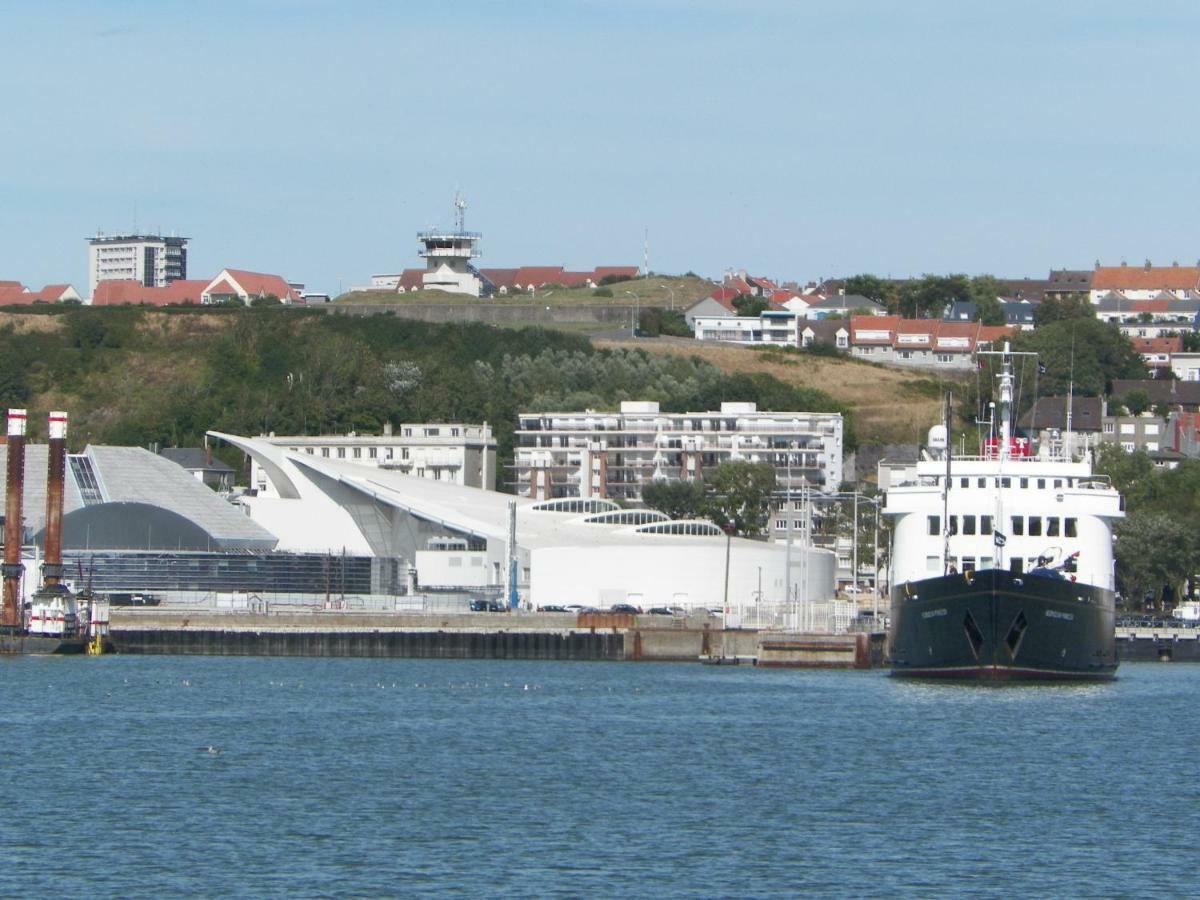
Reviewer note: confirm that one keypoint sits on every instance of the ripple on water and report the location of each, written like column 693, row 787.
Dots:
column 335, row 777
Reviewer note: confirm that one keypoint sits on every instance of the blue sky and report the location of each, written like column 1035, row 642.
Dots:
column 797, row 140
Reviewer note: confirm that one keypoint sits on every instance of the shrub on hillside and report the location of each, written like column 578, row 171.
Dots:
column 602, row 292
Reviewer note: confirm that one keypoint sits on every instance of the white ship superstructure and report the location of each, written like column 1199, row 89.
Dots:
column 1007, row 508
column 1006, row 514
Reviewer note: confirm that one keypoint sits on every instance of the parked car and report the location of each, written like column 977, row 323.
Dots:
column 625, row 608
column 561, row 609
column 486, row 606
column 659, row 611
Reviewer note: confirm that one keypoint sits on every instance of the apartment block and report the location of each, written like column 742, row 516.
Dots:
column 613, row 454
column 150, row 260
column 449, row 452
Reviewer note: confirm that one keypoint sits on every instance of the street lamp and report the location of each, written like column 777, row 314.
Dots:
column 636, row 303
column 671, row 293
column 787, row 502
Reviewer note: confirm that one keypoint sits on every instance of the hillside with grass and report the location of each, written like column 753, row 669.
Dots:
column 675, row 292
column 130, row 375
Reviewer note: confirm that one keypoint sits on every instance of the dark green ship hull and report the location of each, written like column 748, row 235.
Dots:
column 995, row 626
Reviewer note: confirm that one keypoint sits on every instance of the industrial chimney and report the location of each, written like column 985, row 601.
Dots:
column 11, row 617
column 52, row 569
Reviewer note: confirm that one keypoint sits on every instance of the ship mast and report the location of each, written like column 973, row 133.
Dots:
column 946, row 491
column 1006, row 398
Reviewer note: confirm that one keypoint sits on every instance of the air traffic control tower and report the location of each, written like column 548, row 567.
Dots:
column 448, row 254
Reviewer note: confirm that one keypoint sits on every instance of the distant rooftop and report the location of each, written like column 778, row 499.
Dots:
column 102, row 238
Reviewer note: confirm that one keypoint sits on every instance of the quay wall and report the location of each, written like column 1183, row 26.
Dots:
column 542, row 636
column 1154, row 645
column 375, row 644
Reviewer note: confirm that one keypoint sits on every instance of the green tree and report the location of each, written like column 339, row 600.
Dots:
column 1155, row 554
column 747, row 305
column 741, row 495
column 985, row 291
column 873, row 288
column 677, row 499
column 1054, row 310
column 654, row 321
column 929, row 295
column 1083, row 350
column 1136, row 402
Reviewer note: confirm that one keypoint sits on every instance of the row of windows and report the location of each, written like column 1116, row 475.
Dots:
column 1007, row 482
column 356, row 452
column 1131, row 427
column 576, row 505
column 1034, row 526
column 691, row 528
column 431, row 432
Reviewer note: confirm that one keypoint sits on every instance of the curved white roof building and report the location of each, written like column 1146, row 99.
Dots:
column 128, row 498
column 572, row 550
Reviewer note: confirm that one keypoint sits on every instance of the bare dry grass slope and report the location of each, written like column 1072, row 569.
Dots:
column 890, row 405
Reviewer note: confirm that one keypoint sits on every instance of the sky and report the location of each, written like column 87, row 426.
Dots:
column 796, row 140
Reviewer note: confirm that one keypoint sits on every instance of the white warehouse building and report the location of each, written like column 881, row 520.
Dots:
column 586, row 551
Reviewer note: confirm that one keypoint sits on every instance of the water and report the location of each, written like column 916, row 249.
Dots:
column 401, row 777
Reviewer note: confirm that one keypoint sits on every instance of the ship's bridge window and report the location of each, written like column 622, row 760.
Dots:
column 1018, row 525
column 967, row 564
column 1041, row 484
column 1070, row 529
column 985, row 524
column 953, row 523
column 1058, row 482
column 1005, row 482
column 1035, row 526
column 982, row 482
column 1024, row 482
column 1052, row 526
column 964, row 482
column 968, row 525
column 935, row 524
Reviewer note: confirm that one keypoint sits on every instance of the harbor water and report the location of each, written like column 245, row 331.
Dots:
column 151, row 776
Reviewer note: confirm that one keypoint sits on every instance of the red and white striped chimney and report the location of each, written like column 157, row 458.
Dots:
column 52, row 569
column 11, row 615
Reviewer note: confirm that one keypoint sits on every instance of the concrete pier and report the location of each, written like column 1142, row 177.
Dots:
column 1165, row 644
column 546, row 636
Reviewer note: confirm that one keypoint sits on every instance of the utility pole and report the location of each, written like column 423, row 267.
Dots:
column 854, row 550
column 512, row 554
column 787, row 503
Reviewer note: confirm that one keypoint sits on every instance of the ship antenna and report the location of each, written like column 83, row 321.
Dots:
column 1071, row 398
column 946, row 491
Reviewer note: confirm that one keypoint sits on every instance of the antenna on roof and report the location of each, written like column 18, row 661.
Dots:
column 460, row 212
